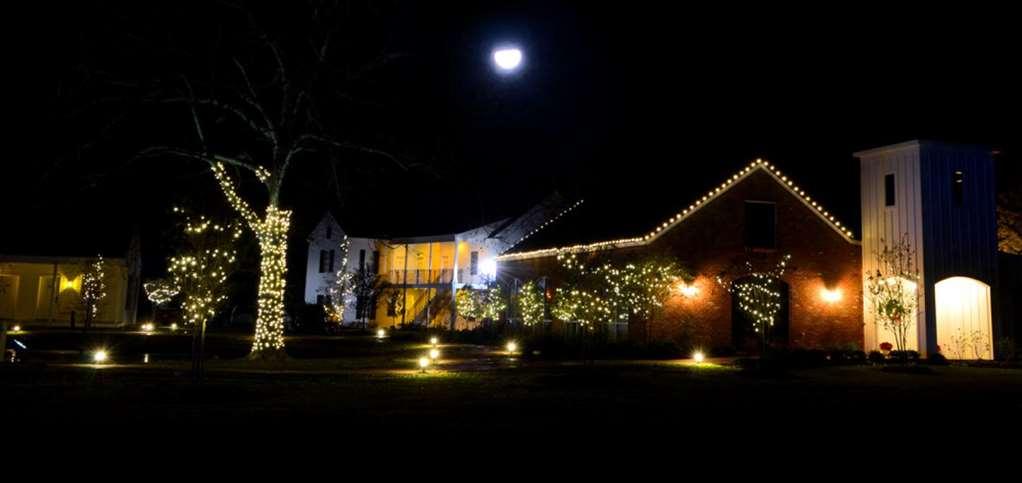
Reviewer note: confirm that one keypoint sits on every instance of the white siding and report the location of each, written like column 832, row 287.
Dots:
column 890, row 223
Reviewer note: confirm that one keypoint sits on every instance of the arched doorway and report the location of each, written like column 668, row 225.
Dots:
column 964, row 326
column 744, row 337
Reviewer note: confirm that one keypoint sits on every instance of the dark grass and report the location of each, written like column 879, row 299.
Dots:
column 364, row 389
column 605, row 397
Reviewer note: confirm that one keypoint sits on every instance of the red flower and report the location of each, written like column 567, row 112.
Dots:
column 886, row 346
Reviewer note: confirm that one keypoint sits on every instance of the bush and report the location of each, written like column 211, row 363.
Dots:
column 1006, row 349
column 876, row 357
column 846, row 357
column 936, row 359
column 908, row 369
column 903, row 357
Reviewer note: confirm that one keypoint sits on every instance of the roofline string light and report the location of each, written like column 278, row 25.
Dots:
column 758, row 164
column 545, row 223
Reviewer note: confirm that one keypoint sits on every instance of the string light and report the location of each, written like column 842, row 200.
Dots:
column 544, row 225
column 160, row 292
column 480, row 304
column 758, row 294
column 530, row 304
column 612, row 293
column 200, row 272
column 271, row 231
column 756, row 165
column 93, row 287
column 341, row 292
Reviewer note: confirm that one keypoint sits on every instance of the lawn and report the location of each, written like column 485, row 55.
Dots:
column 490, row 394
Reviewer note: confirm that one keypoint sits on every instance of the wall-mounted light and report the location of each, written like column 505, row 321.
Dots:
column 70, row 283
column 488, row 268
column 687, row 290
column 830, row 295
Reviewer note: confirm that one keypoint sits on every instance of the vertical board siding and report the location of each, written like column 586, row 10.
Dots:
column 961, row 240
column 890, row 223
column 950, row 240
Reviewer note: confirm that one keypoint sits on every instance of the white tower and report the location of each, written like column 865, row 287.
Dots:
column 942, row 198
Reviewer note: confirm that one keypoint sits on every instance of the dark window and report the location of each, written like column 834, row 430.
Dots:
column 329, row 231
column 958, row 186
column 889, row 190
column 376, row 261
column 474, row 264
column 331, row 262
column 760, row 224
column 324, row 256
column 361, row 260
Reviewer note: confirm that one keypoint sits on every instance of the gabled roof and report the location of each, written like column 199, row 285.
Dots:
column 659, row 230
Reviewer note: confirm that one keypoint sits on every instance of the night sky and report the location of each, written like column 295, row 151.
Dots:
column 636, row 107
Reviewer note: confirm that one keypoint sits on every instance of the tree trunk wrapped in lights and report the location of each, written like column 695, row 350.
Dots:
column 257, row 123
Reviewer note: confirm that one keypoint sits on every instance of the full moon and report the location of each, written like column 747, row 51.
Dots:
column 507, row 58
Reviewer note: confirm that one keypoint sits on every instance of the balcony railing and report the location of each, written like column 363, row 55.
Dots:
column 420, row 276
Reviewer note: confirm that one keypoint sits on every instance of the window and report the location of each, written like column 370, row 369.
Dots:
column 958, row 186
column 760, row 224
column 323, row 260
column 362, row 260
column 474, row 264
column 889, row 190
column 329, row 231
column 376, row 261
column 331, row 262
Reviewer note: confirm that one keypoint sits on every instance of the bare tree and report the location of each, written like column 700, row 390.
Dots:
column 366, row 285
column 1009, row 223
column 258, row 123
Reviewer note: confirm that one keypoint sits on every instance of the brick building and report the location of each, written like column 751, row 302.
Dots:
column 757, row 216
column 938, row 196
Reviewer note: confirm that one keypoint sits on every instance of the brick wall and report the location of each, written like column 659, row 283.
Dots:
column 711, row 241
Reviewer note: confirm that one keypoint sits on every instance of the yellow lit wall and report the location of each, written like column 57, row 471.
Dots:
column 964, row 326
column 30, row 296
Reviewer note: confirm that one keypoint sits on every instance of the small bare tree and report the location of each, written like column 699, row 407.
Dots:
column 199, row 272
column 340, row 292
column 93, row 289
column 758, row 295
column 366, row 285
column 892, row 289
